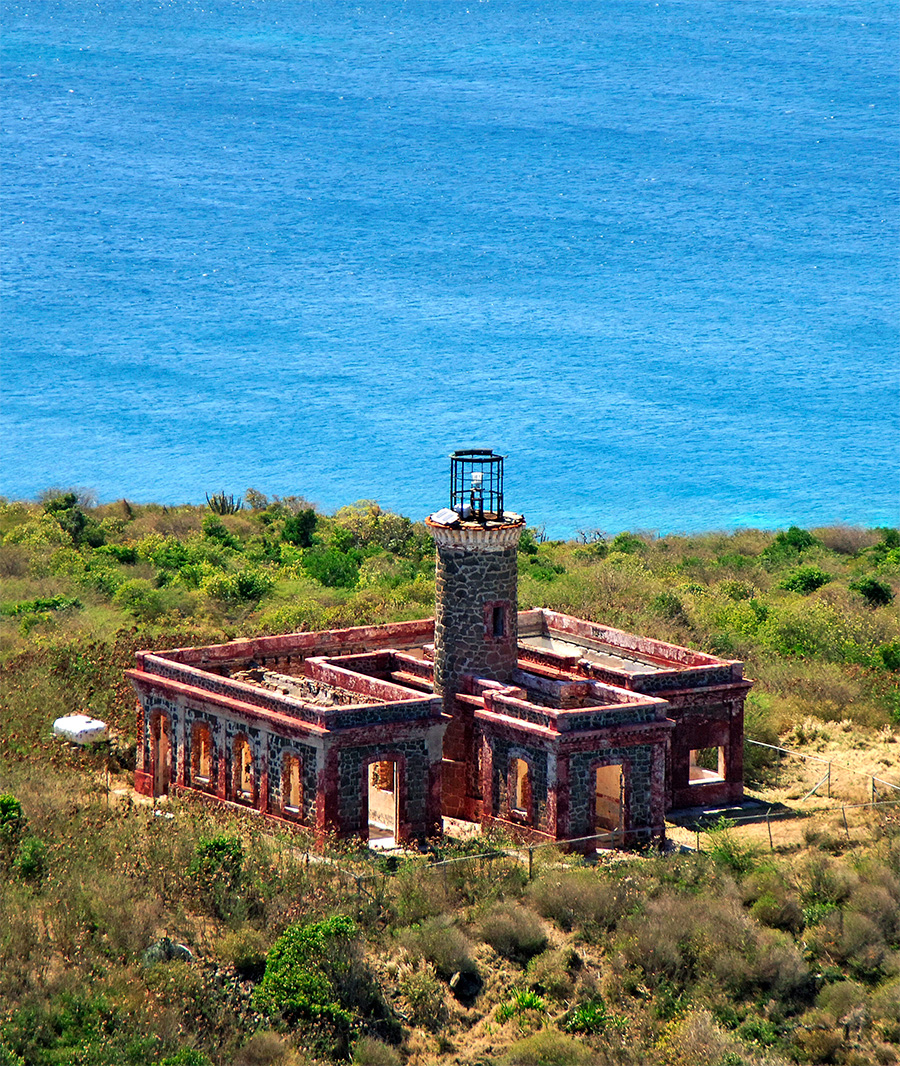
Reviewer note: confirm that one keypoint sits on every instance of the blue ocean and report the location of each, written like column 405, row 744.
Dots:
column 647, row 250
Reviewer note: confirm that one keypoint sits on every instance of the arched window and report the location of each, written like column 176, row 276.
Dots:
column 201, row 754
column 243, row 782
column 519, row 788
column 291, row 785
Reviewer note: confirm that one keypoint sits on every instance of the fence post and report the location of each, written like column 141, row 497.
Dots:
column 530, row 863
column 829, row 779
column 846, row 827
column 873, row 791
column 698, row 840
column 769, row 827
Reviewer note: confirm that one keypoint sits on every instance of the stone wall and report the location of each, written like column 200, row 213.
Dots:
column 470, row 584
column 637, row 764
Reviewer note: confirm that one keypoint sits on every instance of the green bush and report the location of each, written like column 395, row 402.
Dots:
column 49, row 603
column 628, row 543
column 309, row 973
column 12, row 822
column 593, row 1017
column 890, row 655
column 789, row 543
column 876, row 593
column 72, row 520
column 299, row 528
column 31, row 859
column 805, row 580
column 521, row 1001
column 727, row 851
column 217, row 869
column 242, row 586
column 140, row 598
column 332, row 568
column 215, row 529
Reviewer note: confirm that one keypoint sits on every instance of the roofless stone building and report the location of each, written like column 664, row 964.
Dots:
column 551, row 726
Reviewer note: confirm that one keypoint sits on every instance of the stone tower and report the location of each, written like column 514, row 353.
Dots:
column 476, row 630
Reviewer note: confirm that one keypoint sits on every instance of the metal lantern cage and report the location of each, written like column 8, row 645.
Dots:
column 476, row 484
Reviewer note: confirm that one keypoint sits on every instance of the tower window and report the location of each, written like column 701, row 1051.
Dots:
column 498, row 621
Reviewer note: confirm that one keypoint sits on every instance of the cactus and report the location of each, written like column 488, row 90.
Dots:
column 219, row 503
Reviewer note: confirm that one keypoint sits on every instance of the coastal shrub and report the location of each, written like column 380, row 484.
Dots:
column 31, row 859
column 890, row 655
column 805, row 580
column 265, row 1048
column 332, row 568
column 217, row 869
column 215, row 529
column 420, row 893
column 593, row 1016
column 582, row 899
column 627, row 543
column 876, row 593
column 242, row 586
column 442, row 944
column 299, row 528
column 513, row 931
column 696, row 1040
column 371, row 1052
column 423, row 994
column 725, row 849
column 140, row 598
column 313, row 972
column 548, row 1048
column 789, row 543
column 82, row 529
column 552, row 973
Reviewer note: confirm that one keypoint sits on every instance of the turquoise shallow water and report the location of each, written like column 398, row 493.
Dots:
column 649, row 251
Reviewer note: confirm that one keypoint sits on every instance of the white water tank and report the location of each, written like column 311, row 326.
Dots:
column 80, row 729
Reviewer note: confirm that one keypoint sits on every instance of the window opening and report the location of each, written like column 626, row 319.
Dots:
column 707, row 764
column 499, row 622
column 520, row 787
column 201, row 753
column 243, row 770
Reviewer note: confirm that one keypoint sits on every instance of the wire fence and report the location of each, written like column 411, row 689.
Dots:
column 815, row 775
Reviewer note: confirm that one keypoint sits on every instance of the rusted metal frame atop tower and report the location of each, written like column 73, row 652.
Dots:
column 476, row 484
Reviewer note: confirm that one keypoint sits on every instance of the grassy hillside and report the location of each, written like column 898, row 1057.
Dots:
column 733, row 956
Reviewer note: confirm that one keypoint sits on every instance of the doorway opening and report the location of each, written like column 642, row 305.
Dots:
column 383, row 795
column 290, row 783
column 609, row 799
column 162, row 747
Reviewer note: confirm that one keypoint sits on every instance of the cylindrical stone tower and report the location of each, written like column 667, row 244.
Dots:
column 476, row 630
